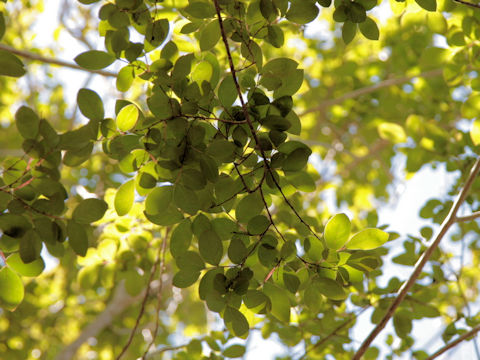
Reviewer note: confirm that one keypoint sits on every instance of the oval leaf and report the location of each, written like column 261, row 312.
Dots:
column 127, row 117
column 367, row 239
column 33, row 268
column 337, row 231
column 210, row 246
column 11, row 289
column 94, row 59
column 90, row 104
column 124, row 198
column 369, row 29
column 89, row 210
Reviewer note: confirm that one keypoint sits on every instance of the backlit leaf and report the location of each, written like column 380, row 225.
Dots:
column 11, row 289
column 124, row 198
column 337, row 231
column 127, row 117
column 33, row 268
column 367, row 239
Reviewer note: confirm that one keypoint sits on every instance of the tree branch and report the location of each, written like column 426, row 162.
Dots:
column 120, row 302
column 40, row 58
column 447, row 223
column 369, row 89
column 470, row 217
column 454, row 343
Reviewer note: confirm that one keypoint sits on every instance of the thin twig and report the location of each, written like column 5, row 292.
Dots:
column 455, row 342
column 47, row 60
column 322, row 341
column 142, row 307
column 372, row 88
column 477, row 6
column 470, row 217
column 249, row 120
column 159, row 293
column 447, row 223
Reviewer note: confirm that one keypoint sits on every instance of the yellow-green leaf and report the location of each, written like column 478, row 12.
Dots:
column 367, row 239
column 127, row 117
column 124, row 198
column 11, row 289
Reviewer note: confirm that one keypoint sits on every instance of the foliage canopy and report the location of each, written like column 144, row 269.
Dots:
column 206, row 196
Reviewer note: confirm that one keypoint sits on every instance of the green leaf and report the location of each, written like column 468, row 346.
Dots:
column 235, row 321
column 125, row 78
column 248, row 207
column 30, row 246
column 90, row 104
column 127, row 117
column 14, row 225
column 124, row 198
column 237, row 251
column 279, row 300
column 349, row 29
column 209, row 36
column 10, row 65
column 190, row 261
column 429, row 5
column 258, row 225
column 11, row 289
column 227, row 92
column 234, row 351
column 475, row 132
column 337, row 231
column 77, row 238
column 156, row 34
column 134, row 282
column 158, row 200
column 257, row 301
column 184, row 278
column 186, row 199
column 200, row 9
column 302, row 11
column 181, row 238
column 89, row 210
column 268, row 10
column 392, row 132
column 27, row 122
column 296, row 160
column 330, row 288
column 355, row 12
column 275, row 36
column 367, row 239
column 32, row 269
column 210, row 247
column 94, row 60
column 369, row 29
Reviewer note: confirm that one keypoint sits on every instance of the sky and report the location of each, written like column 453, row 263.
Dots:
column 401, row 213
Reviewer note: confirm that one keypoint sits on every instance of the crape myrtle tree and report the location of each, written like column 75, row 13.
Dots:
column 202, row 194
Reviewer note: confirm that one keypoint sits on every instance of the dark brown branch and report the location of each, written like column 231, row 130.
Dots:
column 369, row 89
column 455, row 342
column 447, row 223
column 35, row 57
